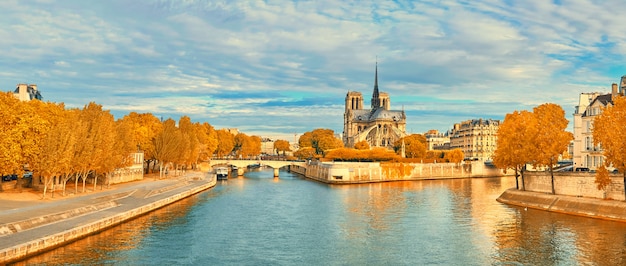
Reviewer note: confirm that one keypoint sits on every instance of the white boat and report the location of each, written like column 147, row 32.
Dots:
column 221, row 173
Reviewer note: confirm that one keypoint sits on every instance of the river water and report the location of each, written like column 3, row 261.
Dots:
column 260, row 220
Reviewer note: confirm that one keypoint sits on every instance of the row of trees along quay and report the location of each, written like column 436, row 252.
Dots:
column 323, row 145
column 59, row 144
column 539, row 137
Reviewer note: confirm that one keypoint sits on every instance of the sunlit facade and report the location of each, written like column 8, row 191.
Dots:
column 476, row 138
column 585, row 153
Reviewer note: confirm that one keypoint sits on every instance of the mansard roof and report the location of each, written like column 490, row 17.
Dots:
column 604, row 100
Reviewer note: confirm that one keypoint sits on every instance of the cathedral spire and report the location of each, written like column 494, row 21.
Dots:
column 375, row 95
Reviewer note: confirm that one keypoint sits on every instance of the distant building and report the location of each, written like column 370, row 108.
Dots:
column 267, row 146
column 379, row 126
column 476, row 138
column 585, row 153
column 437, row 140
column 26, row 92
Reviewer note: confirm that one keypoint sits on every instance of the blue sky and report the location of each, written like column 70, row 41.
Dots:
column 275, row 68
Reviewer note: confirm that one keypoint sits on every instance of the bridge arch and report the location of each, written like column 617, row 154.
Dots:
column 241, row 164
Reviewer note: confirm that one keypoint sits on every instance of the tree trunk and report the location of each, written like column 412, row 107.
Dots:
column 516, row 179
column 523, row 181
column 552, row 180
column 160, row 170
column 84, row 179
column 95, row 180
column 76, row 184
column 624, row 185
column 45, row 187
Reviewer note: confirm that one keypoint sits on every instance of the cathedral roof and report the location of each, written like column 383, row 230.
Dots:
column 366, row 115
column 382, row 114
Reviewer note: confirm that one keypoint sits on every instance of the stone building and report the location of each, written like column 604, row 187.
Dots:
column 26, row 92
column 437, row 140
column 379, row 125
column 590, row 104
column 476, row 138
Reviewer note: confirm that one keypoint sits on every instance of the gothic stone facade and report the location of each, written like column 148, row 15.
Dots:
column 379, row 126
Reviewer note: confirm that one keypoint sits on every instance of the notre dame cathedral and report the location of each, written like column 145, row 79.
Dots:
column 379, row 126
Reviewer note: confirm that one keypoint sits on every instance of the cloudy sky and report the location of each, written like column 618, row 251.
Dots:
column 279, row 68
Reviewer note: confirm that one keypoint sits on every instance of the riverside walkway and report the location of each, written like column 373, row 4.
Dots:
column 31, row 227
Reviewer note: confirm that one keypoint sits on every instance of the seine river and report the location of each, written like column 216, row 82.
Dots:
column 259, row 220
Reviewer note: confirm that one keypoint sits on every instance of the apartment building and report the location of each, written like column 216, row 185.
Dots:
column 476, row 138
column 27, row 92
column 590, row 104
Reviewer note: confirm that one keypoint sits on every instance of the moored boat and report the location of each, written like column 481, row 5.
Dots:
column 221, row 173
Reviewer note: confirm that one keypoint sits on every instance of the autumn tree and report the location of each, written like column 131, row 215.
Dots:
column 551, row 139
column 321, row 140
column 603, row 179
column 343, row 154
column 247, row 146
column 208, row 138
column 414, row 146
column 97, row 138
column 192, row 147
column 167, row 145
column 362, row 145
column 515, row 143
column 57, row 146
column 281, row 145
column 609, row 132
column 21, row 132
column 226, row 143
column 378, row 154
column 145, row 128
column 305, row 153
column 455, row 156
column 121, row 154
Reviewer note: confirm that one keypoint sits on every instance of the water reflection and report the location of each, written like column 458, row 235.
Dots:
column 258, row 219
column 109, row 245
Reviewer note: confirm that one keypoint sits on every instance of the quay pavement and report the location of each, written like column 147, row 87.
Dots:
column 31, row 227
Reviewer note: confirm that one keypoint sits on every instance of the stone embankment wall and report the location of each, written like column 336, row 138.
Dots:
column 22, row 250
column 588, row 207
column 348, row 172
column 577, row 184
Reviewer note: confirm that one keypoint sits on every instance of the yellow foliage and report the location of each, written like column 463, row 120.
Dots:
column 362, row 145
column 609, row 131
column 603, row 180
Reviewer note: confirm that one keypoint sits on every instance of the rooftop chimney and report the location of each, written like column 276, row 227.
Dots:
column 613, row 90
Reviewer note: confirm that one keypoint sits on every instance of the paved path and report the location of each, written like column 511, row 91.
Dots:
column 32, row 222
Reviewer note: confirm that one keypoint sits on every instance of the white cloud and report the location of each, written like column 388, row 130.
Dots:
column 480, row 58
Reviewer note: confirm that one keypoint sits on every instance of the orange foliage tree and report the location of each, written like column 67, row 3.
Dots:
column 305, row 153
column 322, row 140
column 414, row 146
column 145, row 128
column 538, row 138
column 552, row 139
column 609, row 131
column 225, row 143
column 515, row 142
column 362, row 145
column 454, row 156
column 281, row 145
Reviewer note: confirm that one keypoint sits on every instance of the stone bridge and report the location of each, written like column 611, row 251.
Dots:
column 242, row 164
